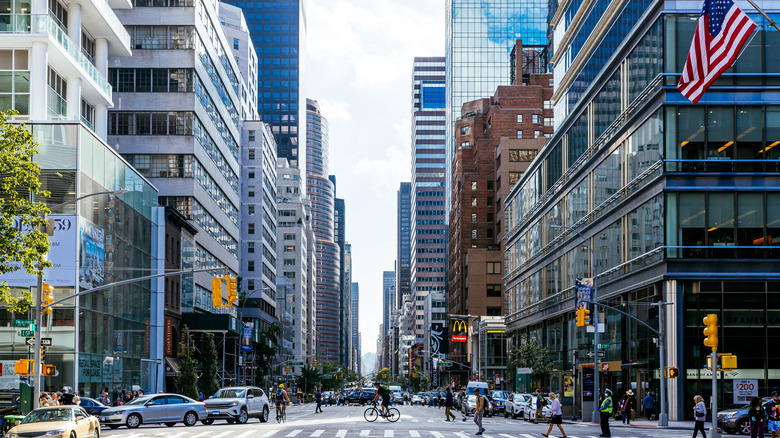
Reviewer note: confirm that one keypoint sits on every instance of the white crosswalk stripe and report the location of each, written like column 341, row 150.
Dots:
column 294, row 433
column 219, row 435
column 436, row 434
column 365, row 432
column 199, row 434
column 245, row 434
column 526, row 435
column 341, row 433
column 317, row 433
column 461, row 435
column 389, row 433
column 271, row 432
column 414, row 434
column 510, row 436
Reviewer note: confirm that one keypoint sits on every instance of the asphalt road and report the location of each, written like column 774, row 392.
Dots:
column 415, row 422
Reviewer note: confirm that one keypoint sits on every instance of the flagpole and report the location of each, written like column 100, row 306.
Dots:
column 760, row 11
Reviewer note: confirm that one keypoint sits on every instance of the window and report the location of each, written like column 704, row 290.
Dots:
column 464, row 130
column 473, row 202
column 250, row 266
column 251, row 172
column 549, row 121
column 250, row 228
column 464, row 145
column 551, row 82
column 250, row 284
column 537, row 119
column 518, row 155
column 494, row 290
column 493, row 267
column 493, row 311
column 289, row 262
column 490, row 201
column 519, row 118
column 250, row 247
column 519, row 134
column 537, row 134
column 490, row 185
column 289, row 236
column 251, row 191
column 289, row 248
column 251, row 153
column 473, row 218
column 252, row 138
column 473, row 234
column 250, row 210
column 548, row 104
column 235, row 43
column 473, row 186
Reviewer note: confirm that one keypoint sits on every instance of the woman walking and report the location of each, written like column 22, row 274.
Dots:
column 756, row 416
column 556, row 417
column 700, row 414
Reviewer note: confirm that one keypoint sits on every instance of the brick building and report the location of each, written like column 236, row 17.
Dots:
column 496, row 139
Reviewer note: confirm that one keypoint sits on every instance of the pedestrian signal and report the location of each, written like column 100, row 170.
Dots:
column 48, row 370
column 672, row 372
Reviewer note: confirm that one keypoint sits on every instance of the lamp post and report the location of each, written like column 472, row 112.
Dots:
column 39, row 306
column 595, row 318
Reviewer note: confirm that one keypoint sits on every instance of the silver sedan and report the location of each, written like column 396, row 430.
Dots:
column 168, row 409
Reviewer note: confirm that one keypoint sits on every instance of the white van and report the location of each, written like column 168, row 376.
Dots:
column 483, row 388
column 396, row 393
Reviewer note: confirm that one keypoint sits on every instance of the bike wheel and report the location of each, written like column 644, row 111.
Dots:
column 393, row 415
column 371, row 414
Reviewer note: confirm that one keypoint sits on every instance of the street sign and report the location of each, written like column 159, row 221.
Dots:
column 45, row 342
column 296, row 364
column 445, row 364
column 590, row 354
column 23, row 322
column 25, row 333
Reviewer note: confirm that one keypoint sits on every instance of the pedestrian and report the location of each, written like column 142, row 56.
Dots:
column 448, row 405
column 318, row 399
column 627, row 406
column 605, row 411
column 648, row 404
column 756, row 417
column 479, row 406
column 557, row 416
column 700, row 414
column 772, row 408
column 540, row 402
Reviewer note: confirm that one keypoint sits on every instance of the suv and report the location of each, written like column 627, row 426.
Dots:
column 237, row 404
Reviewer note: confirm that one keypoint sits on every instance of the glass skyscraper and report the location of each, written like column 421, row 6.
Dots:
column 278, row 30
column 480, row 36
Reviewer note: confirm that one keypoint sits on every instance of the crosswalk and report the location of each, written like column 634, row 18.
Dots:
column 338, row 433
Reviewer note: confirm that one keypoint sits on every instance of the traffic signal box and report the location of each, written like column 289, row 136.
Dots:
column 315, row 362
column 47, row 297
column 23, row 367
column 216, row 291
column 711, row 331
column 672, row 372
column 583, row 317
column 48, row 370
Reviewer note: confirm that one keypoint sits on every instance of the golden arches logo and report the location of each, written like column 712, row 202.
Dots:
column 459, row 326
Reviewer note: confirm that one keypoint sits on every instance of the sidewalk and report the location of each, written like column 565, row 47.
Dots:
column 679, row 425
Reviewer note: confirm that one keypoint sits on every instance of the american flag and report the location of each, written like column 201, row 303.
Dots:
column 720, row 34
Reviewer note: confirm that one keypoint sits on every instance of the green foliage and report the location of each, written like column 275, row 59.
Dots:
column 339, row 376
column 24, row 244
column 187, row 382
column 208, row 383
column 532, row 354
column 308, row 379
column 267, row 350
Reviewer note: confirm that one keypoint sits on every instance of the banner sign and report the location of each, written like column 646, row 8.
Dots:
column 437, row 336
column 92, row 250
column 584, row 291
column 745, row 390
column 62, row 255
column 246, row 336
column 460, row 330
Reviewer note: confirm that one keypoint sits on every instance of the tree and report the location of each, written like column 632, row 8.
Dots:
column 268, row 348
column 187, row 382
column 208, row 383
column 23, row 243
column 532, row 354
column 308, row 379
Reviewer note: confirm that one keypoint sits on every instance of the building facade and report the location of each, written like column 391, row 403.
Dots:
column 357, row 355
column 667, row 195
column 388, row 300
column 322, row 193
column 404, row 247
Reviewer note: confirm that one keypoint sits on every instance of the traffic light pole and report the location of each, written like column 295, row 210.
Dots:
column 714, row 431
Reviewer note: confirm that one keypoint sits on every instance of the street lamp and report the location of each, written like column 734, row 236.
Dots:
column 39, row 305
column 595, row 318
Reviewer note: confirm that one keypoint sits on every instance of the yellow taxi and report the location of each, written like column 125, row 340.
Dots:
column 57, row 421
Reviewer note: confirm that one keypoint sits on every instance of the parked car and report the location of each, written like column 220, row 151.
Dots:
column 515, row 405
column 92, row 406
column 499, row 400
column 237, row 404
column 68, row 421
column 168, row 409
column 530, row 409
column 736, row 420
column 417, row 400
column 470, row 402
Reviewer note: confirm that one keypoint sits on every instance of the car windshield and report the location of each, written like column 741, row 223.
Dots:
column 138, row 401
column 44, row 415
column 498, row 394
column 230, row 393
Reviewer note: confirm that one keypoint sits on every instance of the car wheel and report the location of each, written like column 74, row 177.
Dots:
column 169, row 424
column 743, row 427
column 113, row 426
column 96, row 432
column 133, row 421
column 190, row 418
column 243, row 417
column 264, row 415
column 73, row 434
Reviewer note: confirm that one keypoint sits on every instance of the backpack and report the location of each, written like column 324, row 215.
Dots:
column 279, row 393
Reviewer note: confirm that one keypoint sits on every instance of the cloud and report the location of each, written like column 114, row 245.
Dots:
column 335, row 110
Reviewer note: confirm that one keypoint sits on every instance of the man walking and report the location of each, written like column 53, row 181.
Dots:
column 480, row 405
column 648, row 404
column 772, row 408
column 606, row 411
column 539, row 405
column 318, row 399
column 448, row 405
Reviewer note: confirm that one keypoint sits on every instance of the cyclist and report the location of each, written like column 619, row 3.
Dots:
column 282, row 399
column 383, row 392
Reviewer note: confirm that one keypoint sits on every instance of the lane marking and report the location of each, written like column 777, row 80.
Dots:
column 317, row 433
column 437, row 434
column 414, row 433
column 200, row 434
column 270, row 432
column 365, row 432
column 341, row 433
column 222, row 434
column 461, row 435
column 527, row 435
column 510, row 436
column 247, row 433
column 295, row 432
column 389, row 433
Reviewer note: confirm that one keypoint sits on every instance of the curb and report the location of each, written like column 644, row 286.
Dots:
column 644, row 426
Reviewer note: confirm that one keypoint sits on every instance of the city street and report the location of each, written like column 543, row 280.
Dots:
column 416, row 421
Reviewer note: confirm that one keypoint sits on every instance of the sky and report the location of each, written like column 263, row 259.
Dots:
column 359, row 69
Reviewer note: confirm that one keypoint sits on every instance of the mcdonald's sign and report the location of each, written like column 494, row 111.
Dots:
column 460, row 330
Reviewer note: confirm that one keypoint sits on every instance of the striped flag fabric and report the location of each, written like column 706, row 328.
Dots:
column 722, row 30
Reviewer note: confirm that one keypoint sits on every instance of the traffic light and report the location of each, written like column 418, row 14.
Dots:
column 287, row 369
column 216, row 292
column 672, row 372
column 23, row 367
column 232, row 290
column 711, row 331
column 315, row 362
column 43, row 351
column 48, row 370
column 583, row 317
column 47, row 297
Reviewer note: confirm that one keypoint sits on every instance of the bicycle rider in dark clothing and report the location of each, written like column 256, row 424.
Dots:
column 383, row 392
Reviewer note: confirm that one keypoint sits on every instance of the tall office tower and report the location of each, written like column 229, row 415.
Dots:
column 345, row 255
column 294, row 237
column 238, row 36
column 404, row 246
column 428, row 219
column 278, row 32
column 356, row 353
column 388, row 300
column 480, row 35
column 177, row 122
column 258, row 224
column 321, row 191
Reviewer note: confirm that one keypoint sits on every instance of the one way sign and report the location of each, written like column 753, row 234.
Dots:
column 45, row 342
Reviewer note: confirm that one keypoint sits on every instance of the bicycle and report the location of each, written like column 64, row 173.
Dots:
column 372, row 413
column 281, row 414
